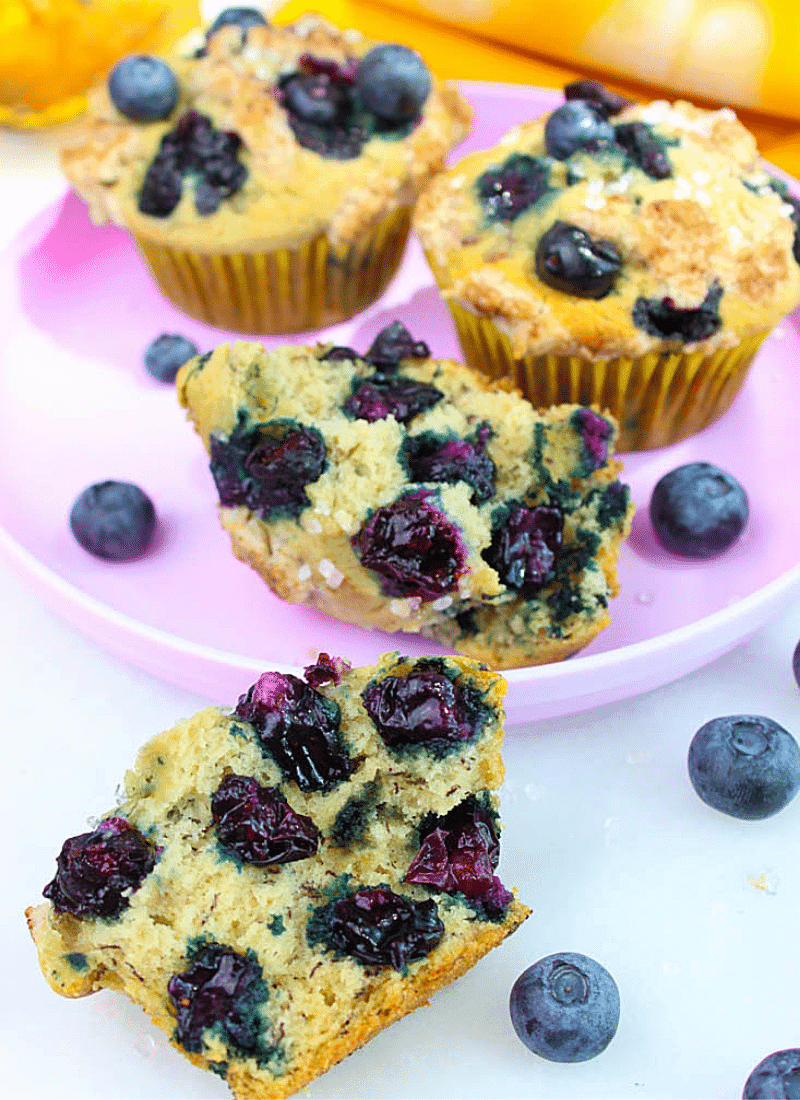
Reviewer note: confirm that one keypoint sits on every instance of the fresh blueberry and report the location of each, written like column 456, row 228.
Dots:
column 796, row 663
column 568, row 259
column 167, row 354
column 394, row 82
column 595, row 92
column 113, row 520
column 698, row 510
column 565, row 1007
column 244, row 18
column 745, row 765
column 776, row 1077
column 143, row 88
column 577, row 124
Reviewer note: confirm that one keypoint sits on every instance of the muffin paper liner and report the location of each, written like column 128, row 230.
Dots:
column 285, row 291
column 657, row 399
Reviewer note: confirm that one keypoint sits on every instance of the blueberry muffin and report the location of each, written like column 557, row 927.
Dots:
column 284, row 880
column 632, row 256
column 267, row 173
column 402, row 492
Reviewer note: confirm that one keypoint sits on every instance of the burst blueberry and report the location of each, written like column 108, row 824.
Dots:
column 525, row 547
column 577, row 125
column 220, row 990
column 415, row 550
column 425, row 707
column 698, row 510
column 744, row 765
column 165, row 356
column 519, row 183
column 194, row 148
column 113, row 520
column 429, row 457
column 394, row 82
column 98, row 871
column 776, row 1077
column 565, row 1008
column 662, row 318
column 382, row 395
column 644, row 148
column 595, row 92
column 257, row 825
column 458, row 854
column 393, row 344
column 377, row 927
column 267, row 468
column 143, row 88
column 568, row 259
column 299, row 728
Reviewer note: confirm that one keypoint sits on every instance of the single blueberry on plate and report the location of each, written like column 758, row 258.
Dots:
column 575, row 125
column 114, row 520
column 698, row 510
column 167, row 354
column 565, row 1007
column 744, row 765
column 776, row 1077
column 568, row 259
column 143, row 88
column 394, row 82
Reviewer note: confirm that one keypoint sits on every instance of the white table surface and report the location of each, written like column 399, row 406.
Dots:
column 695, row 914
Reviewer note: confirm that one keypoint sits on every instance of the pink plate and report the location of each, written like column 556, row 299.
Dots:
column 77, row 406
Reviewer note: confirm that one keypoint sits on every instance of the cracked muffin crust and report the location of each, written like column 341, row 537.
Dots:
column 403, row 492
column 285, row 879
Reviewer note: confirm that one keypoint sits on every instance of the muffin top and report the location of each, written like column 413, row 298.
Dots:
column 608, row 228
column 266, row 136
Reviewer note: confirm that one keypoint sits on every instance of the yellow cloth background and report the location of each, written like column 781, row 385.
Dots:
column 739, row 53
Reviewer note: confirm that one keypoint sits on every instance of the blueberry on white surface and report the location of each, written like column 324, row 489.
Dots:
column 796, row 663
column 577, row 124
column 143, row 88
column 744, row 765
column 777, row 1077
column 698, row 510
column 167, row 354
column 114, row 520
column 393, row 82
column 565, row 1007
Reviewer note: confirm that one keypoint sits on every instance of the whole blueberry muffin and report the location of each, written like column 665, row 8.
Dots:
column 632, row 256
column 403, row 492
column 285, row 879
column 267, row 173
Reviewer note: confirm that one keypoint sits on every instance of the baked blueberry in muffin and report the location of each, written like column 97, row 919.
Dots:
column 284, row 879
column 404, row 492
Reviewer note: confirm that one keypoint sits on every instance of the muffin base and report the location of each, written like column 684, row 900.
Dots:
column 658, row 399
column 285, row 291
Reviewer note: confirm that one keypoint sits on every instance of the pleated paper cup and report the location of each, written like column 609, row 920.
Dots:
column 285, row 291
column 657, row 399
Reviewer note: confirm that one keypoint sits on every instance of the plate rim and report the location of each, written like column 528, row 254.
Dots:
column 744, row 611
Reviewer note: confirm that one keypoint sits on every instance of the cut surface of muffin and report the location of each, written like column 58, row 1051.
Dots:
column 284, row 880
column 403, row 492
